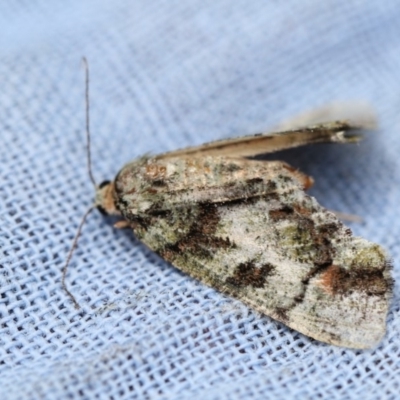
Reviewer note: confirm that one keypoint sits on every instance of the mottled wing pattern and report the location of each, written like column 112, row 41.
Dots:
column 248, row 229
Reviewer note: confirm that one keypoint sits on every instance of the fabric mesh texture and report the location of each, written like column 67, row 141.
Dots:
column 164, row 75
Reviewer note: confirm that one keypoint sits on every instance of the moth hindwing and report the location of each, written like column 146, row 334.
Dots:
column 247, row 228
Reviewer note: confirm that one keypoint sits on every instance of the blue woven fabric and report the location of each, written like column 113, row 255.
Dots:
column 167, row 74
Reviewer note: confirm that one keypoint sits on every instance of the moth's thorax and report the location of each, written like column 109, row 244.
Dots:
column 105, row 199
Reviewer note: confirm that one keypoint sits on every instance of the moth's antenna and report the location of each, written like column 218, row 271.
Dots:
column 73, row 247
column 89, row 161
column 89, row 158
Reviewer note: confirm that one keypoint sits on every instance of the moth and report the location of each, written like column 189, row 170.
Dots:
column 248, row 229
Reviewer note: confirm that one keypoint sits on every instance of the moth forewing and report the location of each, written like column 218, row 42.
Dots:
column 247, row 228
column 263, row 143
column 156, row 184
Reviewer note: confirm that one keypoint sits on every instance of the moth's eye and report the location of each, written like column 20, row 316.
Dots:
column 104, row 183
column 102, row 210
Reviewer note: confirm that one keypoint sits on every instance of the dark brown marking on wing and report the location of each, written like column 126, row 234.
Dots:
column 251, row 190
column 200, row 239
column 253, row 181
column 285, row 212
column 281, row 314
column 336, row 280
column 159, row 183
column 248, row 274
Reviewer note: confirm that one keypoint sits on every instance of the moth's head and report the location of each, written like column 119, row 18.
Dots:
column 105, row 198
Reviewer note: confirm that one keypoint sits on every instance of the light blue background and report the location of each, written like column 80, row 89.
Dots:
column 167, row 74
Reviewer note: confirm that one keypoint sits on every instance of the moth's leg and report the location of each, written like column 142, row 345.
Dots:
column 122, row 224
